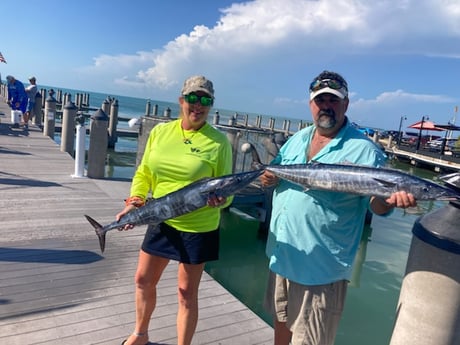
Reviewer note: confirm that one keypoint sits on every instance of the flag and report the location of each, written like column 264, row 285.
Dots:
column 2, row 59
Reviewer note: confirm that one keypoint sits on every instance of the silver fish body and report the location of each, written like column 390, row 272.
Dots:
column 185, row 200
column 361, row 180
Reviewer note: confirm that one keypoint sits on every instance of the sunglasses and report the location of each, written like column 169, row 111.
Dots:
column 331, row 83
column 204, row 100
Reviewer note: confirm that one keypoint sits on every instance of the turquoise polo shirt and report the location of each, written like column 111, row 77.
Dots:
column 314, row 235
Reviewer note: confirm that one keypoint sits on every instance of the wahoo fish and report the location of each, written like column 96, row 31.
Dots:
column 357, row 179
column 361, row 180
column 185, row 200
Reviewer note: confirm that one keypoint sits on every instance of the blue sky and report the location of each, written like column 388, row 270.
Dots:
column 401, row 57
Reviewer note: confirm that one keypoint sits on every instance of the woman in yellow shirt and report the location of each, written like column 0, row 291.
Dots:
column 178, row 153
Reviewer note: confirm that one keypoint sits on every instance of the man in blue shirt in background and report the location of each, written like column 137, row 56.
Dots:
column 314, row 235
column 17, row 97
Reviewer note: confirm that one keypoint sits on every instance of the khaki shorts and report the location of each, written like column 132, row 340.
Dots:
column 311, row 312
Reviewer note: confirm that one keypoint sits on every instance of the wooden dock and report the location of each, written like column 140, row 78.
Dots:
column 426, row 158
column 55, row 285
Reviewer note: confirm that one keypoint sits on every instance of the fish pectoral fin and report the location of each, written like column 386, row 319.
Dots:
column 453, row 178
column 449, row 176
column 385, row 183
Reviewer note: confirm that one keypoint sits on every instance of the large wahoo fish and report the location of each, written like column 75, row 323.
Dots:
column 357, row 179
column 185, row 200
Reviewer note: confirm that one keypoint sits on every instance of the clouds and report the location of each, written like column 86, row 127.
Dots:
column 253, row 32
column 261, row 55
column 249, row 31
column 395, row 104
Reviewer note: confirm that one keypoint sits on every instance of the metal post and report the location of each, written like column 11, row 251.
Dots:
column 399, row 131
column 420, row 132
column 80, row 147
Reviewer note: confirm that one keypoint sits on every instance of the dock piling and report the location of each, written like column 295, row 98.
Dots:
column 113, row 123
column 98, row 143
column 50, row 115
column 428, row 311
column 68, row 127
column 37, row 112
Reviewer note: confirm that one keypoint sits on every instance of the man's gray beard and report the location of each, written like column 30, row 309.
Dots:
column 326, row 121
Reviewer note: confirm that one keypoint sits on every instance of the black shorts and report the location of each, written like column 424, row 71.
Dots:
column 186, row 247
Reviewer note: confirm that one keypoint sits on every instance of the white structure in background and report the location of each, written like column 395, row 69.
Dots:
column 134, row 123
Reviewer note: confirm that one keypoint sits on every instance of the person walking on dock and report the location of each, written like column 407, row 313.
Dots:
column 31, row 91
column 314, row 235
column 178, row 153
column 17, row 97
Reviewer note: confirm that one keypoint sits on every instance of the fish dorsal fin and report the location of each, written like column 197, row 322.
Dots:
column 387, row 184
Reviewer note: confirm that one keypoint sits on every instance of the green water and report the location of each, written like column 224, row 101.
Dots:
column 378, row 272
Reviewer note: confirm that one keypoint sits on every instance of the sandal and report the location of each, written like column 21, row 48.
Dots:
column 137, row 335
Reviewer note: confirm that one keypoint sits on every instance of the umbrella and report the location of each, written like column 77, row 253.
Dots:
column 448, row 127
column 426, row 125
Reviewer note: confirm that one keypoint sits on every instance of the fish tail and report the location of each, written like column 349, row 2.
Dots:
column 99, row 232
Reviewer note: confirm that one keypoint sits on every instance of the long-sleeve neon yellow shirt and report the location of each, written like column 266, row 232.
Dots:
column 174, row 158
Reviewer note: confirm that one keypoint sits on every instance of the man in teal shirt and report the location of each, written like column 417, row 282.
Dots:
column 314, row 235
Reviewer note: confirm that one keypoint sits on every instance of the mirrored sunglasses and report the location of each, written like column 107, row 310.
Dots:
column 331, row 83
column 204, row 100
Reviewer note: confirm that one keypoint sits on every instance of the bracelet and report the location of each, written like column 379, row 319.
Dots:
column 135, row 201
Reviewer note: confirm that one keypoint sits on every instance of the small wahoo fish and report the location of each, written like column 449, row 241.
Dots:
column 357, row 179
column 185, row 200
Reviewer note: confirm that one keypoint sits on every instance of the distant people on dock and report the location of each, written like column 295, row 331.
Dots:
column 17, row 97
column 31, row 91
column 178, row 153
column 314, row 235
